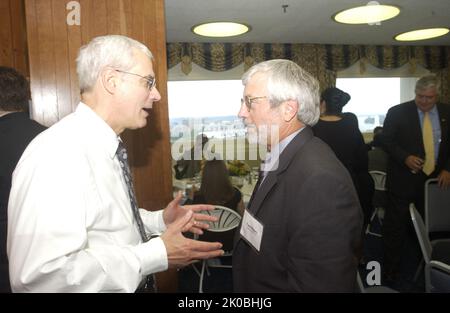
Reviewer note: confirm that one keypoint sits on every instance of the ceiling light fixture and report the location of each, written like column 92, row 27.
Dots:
column 367, row 14
column 220, row 29
column 422, row 34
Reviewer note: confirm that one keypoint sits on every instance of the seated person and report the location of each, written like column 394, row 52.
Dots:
column 378, row 158
column 190, row 163
column 216, row 187
column 378, row 161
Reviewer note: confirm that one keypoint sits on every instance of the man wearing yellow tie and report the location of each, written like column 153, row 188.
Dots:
column 416, row 138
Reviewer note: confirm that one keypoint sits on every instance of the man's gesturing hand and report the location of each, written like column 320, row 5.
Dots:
column 182, row 251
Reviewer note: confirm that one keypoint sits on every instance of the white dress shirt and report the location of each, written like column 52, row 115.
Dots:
column 70, row 223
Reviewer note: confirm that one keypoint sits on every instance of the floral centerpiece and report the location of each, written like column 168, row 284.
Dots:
column 238, row 168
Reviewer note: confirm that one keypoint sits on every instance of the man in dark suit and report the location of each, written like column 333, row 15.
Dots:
column 412, row 160
column 16, row 132
column 302, row 227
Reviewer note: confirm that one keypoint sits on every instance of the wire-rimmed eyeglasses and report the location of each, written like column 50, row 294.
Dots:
column 248, row 101
column 150, row 80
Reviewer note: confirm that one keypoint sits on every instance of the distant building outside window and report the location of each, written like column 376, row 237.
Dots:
column 371, row 98
column 211, row 106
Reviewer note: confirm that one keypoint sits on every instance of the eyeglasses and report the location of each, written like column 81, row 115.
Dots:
column 150, row 80
column 249, row 101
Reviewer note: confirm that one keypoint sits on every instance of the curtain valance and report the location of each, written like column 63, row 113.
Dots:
column 219, row 57
column 323, row 61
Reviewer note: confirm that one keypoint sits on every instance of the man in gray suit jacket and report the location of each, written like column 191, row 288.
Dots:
column 302, row 227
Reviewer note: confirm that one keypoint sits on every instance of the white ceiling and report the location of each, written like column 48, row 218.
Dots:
column 305, row 21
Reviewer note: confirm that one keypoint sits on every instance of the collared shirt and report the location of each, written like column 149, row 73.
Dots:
column 434, row 118
column 70, row 225
column 272, row 157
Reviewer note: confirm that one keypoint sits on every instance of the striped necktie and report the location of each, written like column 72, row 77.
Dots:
column 123, row 160
column 428, row 143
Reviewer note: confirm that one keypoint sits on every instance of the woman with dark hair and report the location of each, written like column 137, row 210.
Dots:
column 341, row 132
column 216, row 187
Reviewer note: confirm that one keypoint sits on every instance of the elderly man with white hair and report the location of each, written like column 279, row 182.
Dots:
column 74, row 225
column 302, row 227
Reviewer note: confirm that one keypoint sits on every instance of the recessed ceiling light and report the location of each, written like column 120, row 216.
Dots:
column 220, row 29
column 422, row 34
column 367, row 14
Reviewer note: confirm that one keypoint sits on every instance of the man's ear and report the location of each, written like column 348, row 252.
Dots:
column 290, row 110
column 109, row 80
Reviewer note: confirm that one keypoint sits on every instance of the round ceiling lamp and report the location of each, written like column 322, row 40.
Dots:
column 220, row 29
column 367, row 14
column 422, row 34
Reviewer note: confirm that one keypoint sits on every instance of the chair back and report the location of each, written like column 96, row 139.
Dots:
column 224, row 229
column 437, row 207
column 379, row 179
column 422, row 235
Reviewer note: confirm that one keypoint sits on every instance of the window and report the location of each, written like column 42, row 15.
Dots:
column 371, row 98
column 207, row 106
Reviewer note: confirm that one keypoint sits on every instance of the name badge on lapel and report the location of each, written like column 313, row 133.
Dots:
column 252, row 230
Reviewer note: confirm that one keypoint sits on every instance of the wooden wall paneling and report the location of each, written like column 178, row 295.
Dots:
column 61, row 57
column 86, row 21
column 74, row 42
column 48, row 107
column 99, row 18
column 154, row 33
column 19, row 37
column 155, row 137
column 116, row 17
column 6, row 46
column 138, row 25
column 165, row 153
column 35, row 64
column 128, row 14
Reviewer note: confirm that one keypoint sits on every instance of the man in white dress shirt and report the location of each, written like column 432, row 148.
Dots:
column 71, row 226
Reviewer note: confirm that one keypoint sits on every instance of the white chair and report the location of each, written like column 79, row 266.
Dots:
column 222, row 231
column 379, row 179
column 437, row 250
column 439, row 277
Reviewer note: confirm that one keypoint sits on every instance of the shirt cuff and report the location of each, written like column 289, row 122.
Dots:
column 153, row 256
column 153, row 221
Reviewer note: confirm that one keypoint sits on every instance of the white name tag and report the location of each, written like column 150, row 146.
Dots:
column 252, row 230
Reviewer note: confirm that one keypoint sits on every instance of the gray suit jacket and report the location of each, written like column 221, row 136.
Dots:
column 312, row 225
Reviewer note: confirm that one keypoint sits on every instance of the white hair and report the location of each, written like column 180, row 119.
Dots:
column 428, row 81
column 288, row 81
column 113, row 51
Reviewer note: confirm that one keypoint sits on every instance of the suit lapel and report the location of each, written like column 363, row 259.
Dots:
column 415, row 119
column 271, row 179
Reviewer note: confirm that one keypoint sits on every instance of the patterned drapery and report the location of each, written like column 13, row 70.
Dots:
column 322, row 61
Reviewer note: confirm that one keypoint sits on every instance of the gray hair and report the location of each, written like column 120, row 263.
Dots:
column 113, row 51
column 288, row 81
column 428, row 81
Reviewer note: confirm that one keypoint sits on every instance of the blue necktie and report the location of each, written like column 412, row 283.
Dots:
column 123, row 160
